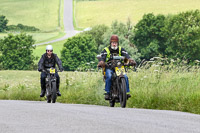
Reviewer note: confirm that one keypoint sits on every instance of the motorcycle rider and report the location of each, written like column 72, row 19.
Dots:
column 48, row 60
column 106, row 56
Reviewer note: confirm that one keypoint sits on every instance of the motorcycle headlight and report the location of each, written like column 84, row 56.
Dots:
column 118, row 63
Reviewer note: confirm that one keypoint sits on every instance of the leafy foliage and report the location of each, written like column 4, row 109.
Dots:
column 78, row 51
column 148, row 35
column 21, row 27
column 97, row 33
column 3, row 23
column 17, row 52
column 183, row 35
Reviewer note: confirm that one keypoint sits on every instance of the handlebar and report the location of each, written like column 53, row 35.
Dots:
column 48, row 70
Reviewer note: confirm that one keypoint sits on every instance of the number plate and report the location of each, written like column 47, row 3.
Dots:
column 120, row 71
column 52, row 70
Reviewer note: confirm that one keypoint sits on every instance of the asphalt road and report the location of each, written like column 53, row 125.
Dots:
column 68, row 23
column 41, row 117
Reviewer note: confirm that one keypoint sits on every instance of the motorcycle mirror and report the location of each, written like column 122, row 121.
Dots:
column 98, row 57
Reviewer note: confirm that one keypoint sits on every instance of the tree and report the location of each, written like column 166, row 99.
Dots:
column 3, row 23
column 148, row 36
column 183, row 35
column 97, row 33
column 79, row 51
column 17, row 52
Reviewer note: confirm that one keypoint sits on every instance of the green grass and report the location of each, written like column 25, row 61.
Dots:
column 57, row 47
column 43, row 14
column 152, row 88
column 90, row 13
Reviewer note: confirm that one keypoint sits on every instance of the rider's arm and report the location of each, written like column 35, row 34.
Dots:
column 58, row 62
column 41, row 64
column 103, row 55
column 131, row 61
column 124, row 53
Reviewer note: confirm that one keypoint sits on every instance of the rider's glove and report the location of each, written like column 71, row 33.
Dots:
column 131, row 62
column 101, row 64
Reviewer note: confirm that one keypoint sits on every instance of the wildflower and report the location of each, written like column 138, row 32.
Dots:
column 156, row 70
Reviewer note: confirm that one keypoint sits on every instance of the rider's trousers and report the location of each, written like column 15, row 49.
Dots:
column 42, row 80
column 109, row 73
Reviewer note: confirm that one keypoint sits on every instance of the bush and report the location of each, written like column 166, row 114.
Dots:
column 3, row 23
column 183, row 35
column 21, row 27
column 97, row 33
column 148, row 36
column 79, row 52
column 17, row 52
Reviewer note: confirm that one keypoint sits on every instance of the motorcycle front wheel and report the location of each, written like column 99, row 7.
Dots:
column 54, row 92
column 122, row 94
column 112, row 103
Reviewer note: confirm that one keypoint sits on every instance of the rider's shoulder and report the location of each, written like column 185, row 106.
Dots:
column 44, row 55
column 54, row 54
column 123, row 49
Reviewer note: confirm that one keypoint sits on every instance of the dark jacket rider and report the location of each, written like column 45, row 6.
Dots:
column 48, row 60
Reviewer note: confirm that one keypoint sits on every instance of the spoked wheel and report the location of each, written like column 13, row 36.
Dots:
column 47, row 95
column 112, row 103
column 54, row 92
column 122, row 94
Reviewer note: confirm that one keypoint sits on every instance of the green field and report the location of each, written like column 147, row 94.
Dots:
column 43, row 14
column 57, row 47
column 153, row 88
column 90, row 13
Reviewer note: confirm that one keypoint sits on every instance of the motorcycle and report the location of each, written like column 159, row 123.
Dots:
column 118, row 85
column 50, row 81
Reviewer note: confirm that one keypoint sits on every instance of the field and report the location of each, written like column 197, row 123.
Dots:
column 57, row 46
column 43, row 14
column 90, row 13
column 153, row 88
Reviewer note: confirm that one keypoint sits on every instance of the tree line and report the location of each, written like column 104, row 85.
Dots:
column 167, row 36
column 19, row 27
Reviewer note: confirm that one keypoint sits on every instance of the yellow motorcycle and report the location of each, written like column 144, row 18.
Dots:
column 118, row 85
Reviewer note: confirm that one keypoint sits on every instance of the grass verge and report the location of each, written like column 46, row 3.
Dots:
column 150, row 89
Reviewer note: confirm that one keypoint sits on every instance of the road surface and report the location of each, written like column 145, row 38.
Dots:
column 41, row 117
column 67, row 21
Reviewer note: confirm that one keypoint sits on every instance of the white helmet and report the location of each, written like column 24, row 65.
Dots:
column 49, row 47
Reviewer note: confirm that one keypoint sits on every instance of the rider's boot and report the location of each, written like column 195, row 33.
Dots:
column 128, row 96
column 107, row 96
column 58, row 91
column 42, row 91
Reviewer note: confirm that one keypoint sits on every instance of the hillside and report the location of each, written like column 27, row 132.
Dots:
column 90, row 13
column 42, row 14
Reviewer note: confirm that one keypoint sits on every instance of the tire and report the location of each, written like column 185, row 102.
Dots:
column 122, row 94
column 48, row 96
column 112, row 103
column 54, row 92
